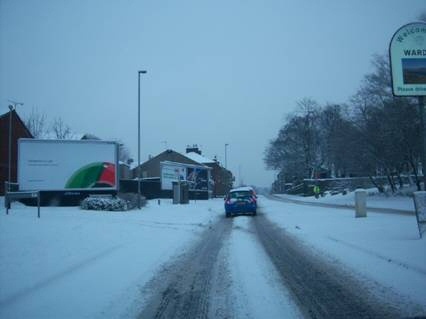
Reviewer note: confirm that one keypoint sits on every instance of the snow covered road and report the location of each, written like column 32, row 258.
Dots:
column 257, row 288
column 226, row 275
column 189, row 261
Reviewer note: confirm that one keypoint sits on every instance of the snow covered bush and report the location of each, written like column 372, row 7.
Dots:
column 105, row 203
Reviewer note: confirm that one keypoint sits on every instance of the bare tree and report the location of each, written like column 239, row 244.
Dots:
column 377, row 132
column 388, row 125
column 36, row 123
column 60, row 130
column 297, row 149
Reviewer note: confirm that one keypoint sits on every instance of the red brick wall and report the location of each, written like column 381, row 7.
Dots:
column 19, row 130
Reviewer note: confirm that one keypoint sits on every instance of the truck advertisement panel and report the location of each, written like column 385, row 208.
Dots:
column 197, row 176
column 61, row 165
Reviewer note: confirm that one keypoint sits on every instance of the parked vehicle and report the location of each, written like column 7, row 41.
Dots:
column 240, row 201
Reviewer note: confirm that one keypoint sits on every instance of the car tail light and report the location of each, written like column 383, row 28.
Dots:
column 253, row 200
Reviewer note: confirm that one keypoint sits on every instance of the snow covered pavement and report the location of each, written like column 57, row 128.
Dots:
column 85, row 264
column 383, row 250
column 374, row 200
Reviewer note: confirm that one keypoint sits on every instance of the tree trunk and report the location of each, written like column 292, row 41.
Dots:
column 379, row 187
column 414, row 167
column 400, row 181
column 391, row 181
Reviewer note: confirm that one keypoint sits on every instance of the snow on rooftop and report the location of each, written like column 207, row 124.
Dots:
column 199, row 158
column 70, row 136
column 242, row 188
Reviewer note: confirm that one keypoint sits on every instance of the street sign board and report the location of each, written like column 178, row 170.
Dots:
column 197, row 176
column 407, row 52
column 171, row 172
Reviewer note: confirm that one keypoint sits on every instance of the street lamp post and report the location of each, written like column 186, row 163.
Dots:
column 226, row 155
column 139, row 136
column 11, row 108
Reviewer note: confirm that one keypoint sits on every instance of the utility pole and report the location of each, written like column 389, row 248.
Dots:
column 139, row 137
column 226, row 157
column 240, row 175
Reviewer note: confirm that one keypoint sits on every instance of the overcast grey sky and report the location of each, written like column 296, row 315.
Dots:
column 218, row 71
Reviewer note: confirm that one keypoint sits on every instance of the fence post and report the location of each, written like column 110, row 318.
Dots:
column 38, row 204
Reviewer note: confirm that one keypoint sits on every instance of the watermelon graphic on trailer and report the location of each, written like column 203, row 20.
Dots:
column 93, row 175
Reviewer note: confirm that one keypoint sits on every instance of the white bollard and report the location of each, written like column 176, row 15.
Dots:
column 360, row 203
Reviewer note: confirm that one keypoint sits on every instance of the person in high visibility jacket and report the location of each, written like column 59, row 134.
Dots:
column 317, row 191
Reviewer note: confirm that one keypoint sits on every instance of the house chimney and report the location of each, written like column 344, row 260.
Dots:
column 194, row 148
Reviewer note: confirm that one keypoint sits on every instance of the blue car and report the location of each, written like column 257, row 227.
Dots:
column 240, row 201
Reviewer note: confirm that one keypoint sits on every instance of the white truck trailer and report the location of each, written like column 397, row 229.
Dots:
column 66, row 171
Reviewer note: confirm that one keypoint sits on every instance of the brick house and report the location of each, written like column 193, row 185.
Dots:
column 151, row 168
column 19, row 130
column 222, row 177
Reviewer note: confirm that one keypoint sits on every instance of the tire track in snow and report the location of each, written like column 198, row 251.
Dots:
column 182, row 289
column 321, row 290
column 257, row 290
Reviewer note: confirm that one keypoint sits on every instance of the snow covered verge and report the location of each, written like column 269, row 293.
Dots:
column 72, row 263
column 374, row 199
column 382, row 248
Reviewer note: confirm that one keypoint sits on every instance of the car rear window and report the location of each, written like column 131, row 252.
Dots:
column 240, row 194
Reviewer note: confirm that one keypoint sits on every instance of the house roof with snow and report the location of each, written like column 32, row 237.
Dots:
column 151, row 168
column 199, row 158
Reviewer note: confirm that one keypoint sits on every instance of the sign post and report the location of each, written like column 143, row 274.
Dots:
column 420, row 205
column 422, row 138
column 407, row 53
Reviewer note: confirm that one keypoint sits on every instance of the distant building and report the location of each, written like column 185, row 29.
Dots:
column 151, row 168
column 19, row 130
column 124, row 171
column 222, row 178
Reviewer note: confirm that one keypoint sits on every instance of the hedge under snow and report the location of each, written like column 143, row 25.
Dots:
column 110, row 204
